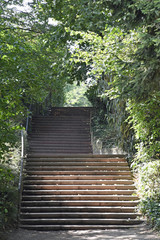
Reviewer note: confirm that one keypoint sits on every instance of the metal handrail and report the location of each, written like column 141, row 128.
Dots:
column 22, row 160
column 23, row 151
column 22, row 164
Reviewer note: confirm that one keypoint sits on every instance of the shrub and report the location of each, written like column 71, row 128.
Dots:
column 8, row 197
column 148, row 182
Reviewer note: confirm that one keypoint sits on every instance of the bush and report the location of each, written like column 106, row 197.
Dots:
column 148, row 182
column 8, row 197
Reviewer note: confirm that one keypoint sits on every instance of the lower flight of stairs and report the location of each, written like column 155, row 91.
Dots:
column 78, row 192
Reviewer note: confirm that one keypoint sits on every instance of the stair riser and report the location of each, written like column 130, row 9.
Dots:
column 78, row 192
column 78, row 182
column 78, row 227
column 56, row 146
column 63, row 187
column 64, row 134
column 76, row 159
column 61, row 129
column 67, row 198
column 80, row 221
column 71, row 168
column 79, row 203
column 113, row 209
column 46, row 163
column 77, row 173
column 59, row 151
column 61, row 177
column 78, row 215
column 59, row 139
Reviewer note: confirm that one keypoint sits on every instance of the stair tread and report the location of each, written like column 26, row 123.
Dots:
column 84, row 220
column 77, row 173
column 103, row 164
column 78, row 227
column 80, row 191
column 100, row 182
column 78, row 177
column 86, row 201
column 78, row 159
column 84, row 197
column 81, row 214
column 80, row 208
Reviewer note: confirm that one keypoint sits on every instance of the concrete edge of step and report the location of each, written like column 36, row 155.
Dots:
column 78, row 155
column 80, row 227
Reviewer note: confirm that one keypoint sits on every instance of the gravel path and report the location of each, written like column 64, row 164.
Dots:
column 141, row 233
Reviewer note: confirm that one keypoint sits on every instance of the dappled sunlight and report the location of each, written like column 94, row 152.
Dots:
column 114, row 234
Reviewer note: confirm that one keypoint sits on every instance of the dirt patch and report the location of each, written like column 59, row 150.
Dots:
column 141, row 233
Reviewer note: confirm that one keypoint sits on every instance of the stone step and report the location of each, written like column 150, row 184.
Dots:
column 79, row 203
column 61, row 139
column 73, row 163
column 60, row 151
column 105, row 173
column 59, row 121
column 92, row 209
column 79, row 215
column 61, row 127
column 58, row 137
column 60, row 118
column 69, row 117
column 57, row 141
column 76, row 159
column 82, row 156
column 78, row 192
column 62, row 227
column 80, row 187
column 75, row 132
column 76, row 197
column 58, row 146
column 79, row 182
column 78, row 168
column 62, row 131
column 81, row 177
column 80, row 221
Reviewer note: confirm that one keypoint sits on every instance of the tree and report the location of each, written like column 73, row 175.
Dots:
column 31, row 68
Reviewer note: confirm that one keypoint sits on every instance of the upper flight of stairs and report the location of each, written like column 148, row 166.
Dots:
column 64, row 131
column 67, row 187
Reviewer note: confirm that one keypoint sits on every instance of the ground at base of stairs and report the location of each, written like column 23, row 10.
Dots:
column 140, row 233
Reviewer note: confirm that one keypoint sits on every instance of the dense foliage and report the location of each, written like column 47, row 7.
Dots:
column 31, row 68
column 75, row 95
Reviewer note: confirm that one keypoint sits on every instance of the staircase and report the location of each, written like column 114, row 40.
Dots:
column 66, row 186
column 65, row 131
